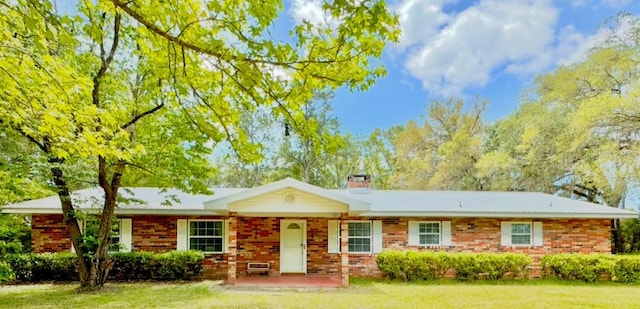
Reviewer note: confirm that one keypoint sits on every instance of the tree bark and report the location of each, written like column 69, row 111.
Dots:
column 71, row 222
column 618, row 240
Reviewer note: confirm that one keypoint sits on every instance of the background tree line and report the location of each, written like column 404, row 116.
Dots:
column 576, row 133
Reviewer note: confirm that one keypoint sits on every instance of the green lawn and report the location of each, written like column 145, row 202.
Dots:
column 209, row 294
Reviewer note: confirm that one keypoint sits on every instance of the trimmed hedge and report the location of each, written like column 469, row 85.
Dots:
column 590, row 268
column 175, row 265
column 492, row 266
column 412, row 265
column 32, row 267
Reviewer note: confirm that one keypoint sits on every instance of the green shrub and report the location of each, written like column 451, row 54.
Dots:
column 33, row 267
column 391, row 263
column 426, row 265
column 133, row 266
column 179, row 265
column 175, row 265
column 590, row 268
column 492, row 266
column 9, row 248
column 6, row 274
column 572, row 266
column 627, row 269
column 412, row 265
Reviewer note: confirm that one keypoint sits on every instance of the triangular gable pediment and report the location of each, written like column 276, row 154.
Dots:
column 288, row 197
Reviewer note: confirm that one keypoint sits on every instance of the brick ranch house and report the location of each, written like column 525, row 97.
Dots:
column 300, row 228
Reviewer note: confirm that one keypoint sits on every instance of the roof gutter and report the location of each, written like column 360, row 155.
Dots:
column 479, row 214
column 158, row 212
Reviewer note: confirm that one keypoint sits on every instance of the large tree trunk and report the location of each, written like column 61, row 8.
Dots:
column 70, row 221
column 93, row 268
column 618, row 239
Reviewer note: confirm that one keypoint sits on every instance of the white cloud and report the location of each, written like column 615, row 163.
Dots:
column 616, row 3
column 310, row 10
column 462, row 49
column 420, row 21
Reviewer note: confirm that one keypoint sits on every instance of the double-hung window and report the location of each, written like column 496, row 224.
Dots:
column 116, row 235
column 521, row 234
column 360, row 237
column 206, row 236
column 429, row 233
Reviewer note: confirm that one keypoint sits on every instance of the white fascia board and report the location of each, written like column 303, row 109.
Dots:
column 290, row 214
column 159, row 212
column 618, row 215
column 29, row 211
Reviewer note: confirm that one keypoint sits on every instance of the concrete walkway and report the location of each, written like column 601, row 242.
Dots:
column 291, row 281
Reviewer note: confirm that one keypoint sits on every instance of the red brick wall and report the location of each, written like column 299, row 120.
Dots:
column 259, row 240
column 49, row 234
column 483, row 235
column 319, row 260
column 154, row 233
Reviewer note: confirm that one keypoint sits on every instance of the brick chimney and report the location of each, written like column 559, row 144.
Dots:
column 358, row 183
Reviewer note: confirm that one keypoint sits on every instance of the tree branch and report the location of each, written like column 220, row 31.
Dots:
column 140, row 116
column 95, row 94
column 177, row 40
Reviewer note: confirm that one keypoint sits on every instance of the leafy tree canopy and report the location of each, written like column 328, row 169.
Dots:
column 138, row 92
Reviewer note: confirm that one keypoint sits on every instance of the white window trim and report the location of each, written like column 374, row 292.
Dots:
column 370, row 236
column 413, row 234
column 509, row 225
column 223, row 236
column 439, row 234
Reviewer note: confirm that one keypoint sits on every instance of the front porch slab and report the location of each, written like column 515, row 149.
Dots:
column 291, row 281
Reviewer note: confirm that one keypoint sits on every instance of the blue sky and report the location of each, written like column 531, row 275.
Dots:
column 490, row 48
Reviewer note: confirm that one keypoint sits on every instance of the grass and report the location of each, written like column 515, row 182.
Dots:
column 362, row 294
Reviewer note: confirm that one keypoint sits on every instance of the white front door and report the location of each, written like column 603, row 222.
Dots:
column 293, row 246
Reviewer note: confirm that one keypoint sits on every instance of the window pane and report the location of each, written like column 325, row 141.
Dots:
column 115, row 229
column 359, row 245
column 217, row 228
column 193, row 227
column 359, row 229
column 521, row 239
column 429, row 239
column 430, row 227
column 114, row 246
column 520, row 228
column 206, row 244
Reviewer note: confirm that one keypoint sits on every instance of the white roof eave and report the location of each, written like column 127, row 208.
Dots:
column 132, row 211
column 483, row 214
